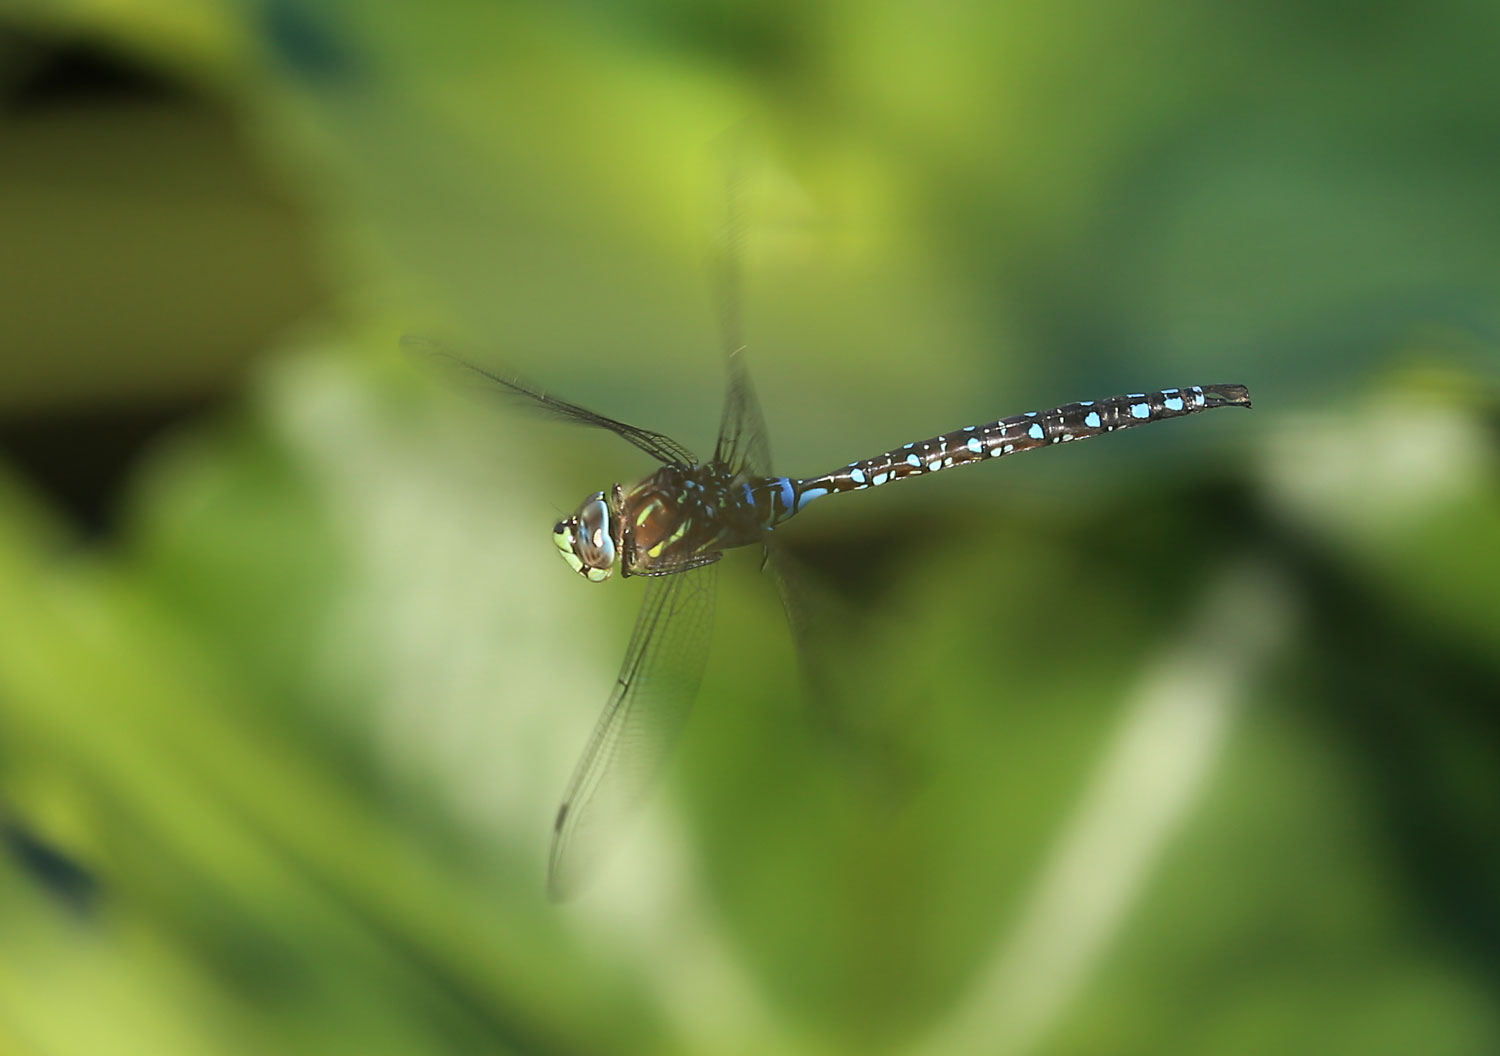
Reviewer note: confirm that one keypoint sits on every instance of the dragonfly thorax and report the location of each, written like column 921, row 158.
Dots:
column 589, row 541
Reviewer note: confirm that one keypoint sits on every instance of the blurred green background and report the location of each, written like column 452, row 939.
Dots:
column 1181, row 742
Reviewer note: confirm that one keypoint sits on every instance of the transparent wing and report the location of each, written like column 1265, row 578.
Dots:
column 813, row 611
column 742, row 444
column 630, row 745
column 471, row 376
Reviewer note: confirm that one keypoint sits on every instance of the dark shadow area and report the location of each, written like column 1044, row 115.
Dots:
column 1415, row 710
column 149, row 253
column 60, row 875
column 47, row 73
column 81, row 460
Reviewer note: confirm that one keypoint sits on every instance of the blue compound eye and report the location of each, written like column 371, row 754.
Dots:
column 586, row 540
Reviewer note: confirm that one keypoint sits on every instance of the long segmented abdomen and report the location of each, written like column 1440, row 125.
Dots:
column 781, row 497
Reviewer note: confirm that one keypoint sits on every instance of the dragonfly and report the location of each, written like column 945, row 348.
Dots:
column 673, row 526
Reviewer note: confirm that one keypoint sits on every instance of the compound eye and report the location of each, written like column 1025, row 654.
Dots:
column 585, row 540
column 595, row 542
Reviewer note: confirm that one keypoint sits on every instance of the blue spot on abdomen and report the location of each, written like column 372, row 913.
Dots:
column 809, row 495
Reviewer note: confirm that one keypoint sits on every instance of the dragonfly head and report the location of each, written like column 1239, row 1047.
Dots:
column 587, row 540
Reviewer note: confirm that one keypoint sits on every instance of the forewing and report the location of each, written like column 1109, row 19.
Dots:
column 742, row 444
column 471, row 376
column 633, row 740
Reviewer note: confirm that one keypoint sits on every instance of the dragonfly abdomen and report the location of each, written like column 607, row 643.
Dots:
column 980, row 443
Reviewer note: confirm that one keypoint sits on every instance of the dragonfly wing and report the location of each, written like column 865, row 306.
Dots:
column 468, row 375
column 742, row 444
column 634, row 737
column 818, row 619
